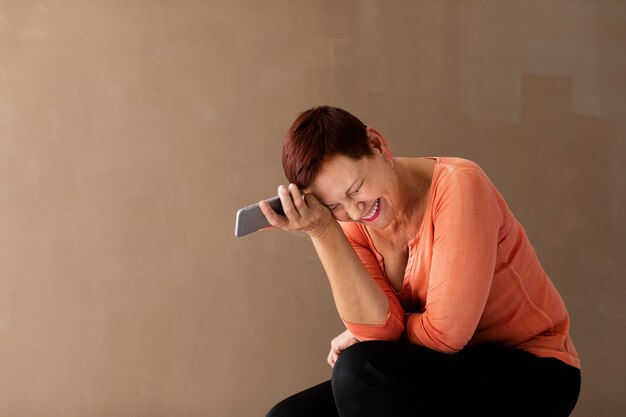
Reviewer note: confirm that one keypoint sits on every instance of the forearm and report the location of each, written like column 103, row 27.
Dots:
column 358, row 297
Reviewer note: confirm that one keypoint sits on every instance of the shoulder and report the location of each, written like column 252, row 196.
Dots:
column 450, row 164
column 459, row 171
column 462, row 183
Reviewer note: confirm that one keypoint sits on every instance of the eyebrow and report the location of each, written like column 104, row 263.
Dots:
column 349, row 190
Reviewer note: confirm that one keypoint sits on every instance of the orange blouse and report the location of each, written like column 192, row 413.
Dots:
column 472, row 275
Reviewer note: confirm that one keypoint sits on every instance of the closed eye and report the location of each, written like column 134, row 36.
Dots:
column 334, row 207
column 357, row 190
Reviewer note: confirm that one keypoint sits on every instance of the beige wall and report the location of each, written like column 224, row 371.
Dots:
column 131, row 132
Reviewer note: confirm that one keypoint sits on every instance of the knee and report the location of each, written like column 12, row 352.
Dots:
column 352, row 365
column 282, row 409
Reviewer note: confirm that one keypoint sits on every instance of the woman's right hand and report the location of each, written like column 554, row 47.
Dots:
column 339, row 344
column 303, row 213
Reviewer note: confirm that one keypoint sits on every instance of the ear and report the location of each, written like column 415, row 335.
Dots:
column 379, row 143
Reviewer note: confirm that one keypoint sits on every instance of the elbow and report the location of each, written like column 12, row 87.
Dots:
column 390, row 330
column 432, row 338
column 450, row 343
column 449, row 346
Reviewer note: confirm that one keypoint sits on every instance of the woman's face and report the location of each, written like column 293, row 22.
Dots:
column 362, row 190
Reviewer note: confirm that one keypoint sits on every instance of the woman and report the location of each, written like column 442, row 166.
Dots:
column 447, row 309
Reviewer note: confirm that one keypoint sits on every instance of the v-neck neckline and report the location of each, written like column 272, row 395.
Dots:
column 413, row 242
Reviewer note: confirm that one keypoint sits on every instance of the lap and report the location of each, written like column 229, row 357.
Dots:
column 480, row 378
column 487, row 380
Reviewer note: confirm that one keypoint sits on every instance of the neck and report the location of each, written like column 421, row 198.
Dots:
column 412, row 186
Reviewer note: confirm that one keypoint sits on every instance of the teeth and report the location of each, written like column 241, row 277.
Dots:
column 372, row 211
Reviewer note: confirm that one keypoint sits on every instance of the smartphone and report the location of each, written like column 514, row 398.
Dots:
column 250, row 219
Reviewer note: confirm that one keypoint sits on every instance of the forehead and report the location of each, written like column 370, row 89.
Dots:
column 336, row 176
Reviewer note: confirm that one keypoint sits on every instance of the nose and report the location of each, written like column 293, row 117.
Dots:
column 355, row 210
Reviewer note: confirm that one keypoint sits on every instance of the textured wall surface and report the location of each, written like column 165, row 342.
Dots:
column 132, row 131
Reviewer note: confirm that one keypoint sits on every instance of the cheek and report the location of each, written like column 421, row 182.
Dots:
column 341, row 215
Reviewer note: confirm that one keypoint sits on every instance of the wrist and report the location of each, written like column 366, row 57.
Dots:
column 324, row 230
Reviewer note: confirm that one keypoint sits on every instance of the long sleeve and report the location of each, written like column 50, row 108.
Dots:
column 466, row 220
column 393, row 326
column 472, row 276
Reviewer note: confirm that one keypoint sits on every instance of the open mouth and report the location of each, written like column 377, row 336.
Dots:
column 373, row 213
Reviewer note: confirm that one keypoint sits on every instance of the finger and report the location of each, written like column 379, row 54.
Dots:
column 275, row 219
column 287, row 202
column 332, row 358
column 312, row 202
column 297, row 197
column 332, row 354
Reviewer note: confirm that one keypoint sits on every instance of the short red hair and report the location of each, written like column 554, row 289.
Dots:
column 317, row 135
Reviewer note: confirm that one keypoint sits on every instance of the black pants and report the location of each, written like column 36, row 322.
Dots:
column 396, row 379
